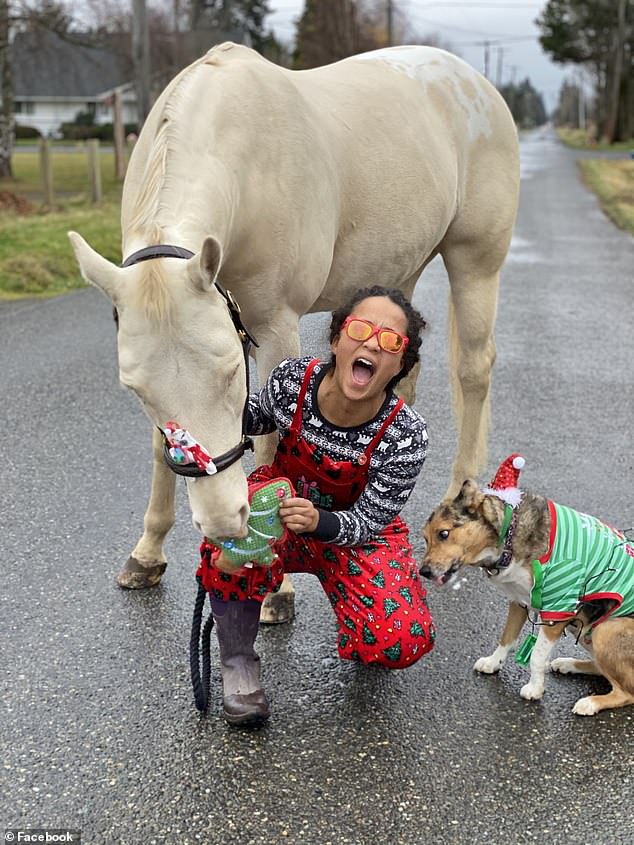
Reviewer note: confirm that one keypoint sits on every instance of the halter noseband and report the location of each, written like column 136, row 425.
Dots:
column 246, row 339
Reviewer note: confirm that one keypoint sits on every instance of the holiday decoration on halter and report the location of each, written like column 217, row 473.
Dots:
column 264, row 525
column 185, row 449
column 504, row 484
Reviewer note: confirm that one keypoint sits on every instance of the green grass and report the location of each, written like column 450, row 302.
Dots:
column 35, row 255
column 579, row 139
column 612, row 180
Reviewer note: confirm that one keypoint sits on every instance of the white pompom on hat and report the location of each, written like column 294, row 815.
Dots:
column 504, row 485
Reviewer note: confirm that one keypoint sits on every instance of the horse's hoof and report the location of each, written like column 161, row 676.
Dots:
column 136, row 575
column 279, row 607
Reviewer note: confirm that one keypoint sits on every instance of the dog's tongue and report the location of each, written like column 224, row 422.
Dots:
column 361, row 374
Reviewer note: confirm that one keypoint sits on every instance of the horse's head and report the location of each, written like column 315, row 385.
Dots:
column 180, row 353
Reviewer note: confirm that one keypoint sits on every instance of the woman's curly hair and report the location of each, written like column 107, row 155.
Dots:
column 416, row 324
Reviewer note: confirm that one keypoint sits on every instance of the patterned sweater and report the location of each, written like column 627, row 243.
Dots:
column 587, row 560
column 394, row 465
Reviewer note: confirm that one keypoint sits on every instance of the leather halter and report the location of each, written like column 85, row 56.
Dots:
column 246, row 339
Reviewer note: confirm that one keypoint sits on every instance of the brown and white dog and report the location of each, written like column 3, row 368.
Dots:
column 513, row 546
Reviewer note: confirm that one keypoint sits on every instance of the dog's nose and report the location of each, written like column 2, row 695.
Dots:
column 425, row 571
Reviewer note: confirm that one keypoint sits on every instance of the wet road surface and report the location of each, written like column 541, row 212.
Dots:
column 98, row 729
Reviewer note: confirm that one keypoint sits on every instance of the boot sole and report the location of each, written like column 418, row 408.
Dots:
column 250, row 720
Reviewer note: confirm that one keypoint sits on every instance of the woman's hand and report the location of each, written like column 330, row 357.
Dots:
column 299, row 515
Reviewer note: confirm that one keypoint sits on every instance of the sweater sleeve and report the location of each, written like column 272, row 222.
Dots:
column 264, row 406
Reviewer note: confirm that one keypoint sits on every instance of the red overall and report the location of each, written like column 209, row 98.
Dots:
column 374, row 589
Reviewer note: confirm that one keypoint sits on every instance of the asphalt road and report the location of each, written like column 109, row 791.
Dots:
column 98, row 729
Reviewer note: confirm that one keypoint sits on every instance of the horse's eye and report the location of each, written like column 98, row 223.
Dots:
column 443, row 535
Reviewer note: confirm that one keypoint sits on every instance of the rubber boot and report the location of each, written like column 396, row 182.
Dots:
column 236, row 622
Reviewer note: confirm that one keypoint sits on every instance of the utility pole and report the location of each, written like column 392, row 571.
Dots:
column 498, row 75
column 487, row 54
column 390, row 22
column 141, row 58
column 581, row 101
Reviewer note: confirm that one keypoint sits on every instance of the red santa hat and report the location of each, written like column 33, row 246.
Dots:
column 504, row 485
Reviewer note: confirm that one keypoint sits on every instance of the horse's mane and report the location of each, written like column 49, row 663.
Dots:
column 152, row 292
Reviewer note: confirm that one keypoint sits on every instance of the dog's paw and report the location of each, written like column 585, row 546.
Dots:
column 563, row 665
column 585, row 707
column 492, row 663
column 532, row 692
column 487, row 665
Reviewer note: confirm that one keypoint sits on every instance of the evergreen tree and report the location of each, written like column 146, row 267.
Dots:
column 233, row 15
column 600, row 35
column 327, row 31
column 526, row 104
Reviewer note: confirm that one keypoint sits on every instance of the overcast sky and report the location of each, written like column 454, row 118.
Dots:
column 463, row 27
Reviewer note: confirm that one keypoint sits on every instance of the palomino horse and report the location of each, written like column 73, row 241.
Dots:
column 295, row 188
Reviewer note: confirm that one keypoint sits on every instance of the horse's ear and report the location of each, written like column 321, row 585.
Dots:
column 96, row 269
column 205, row 266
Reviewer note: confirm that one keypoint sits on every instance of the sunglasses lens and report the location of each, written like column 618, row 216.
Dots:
column 390, row 341
column 358, row 330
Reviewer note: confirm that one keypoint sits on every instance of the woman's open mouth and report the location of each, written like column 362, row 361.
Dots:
column 362, row 371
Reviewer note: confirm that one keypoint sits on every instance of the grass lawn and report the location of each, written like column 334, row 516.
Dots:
column 612, row 180
column 578, row 139
column 35, row 255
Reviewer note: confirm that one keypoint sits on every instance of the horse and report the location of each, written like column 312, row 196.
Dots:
column 284, row 192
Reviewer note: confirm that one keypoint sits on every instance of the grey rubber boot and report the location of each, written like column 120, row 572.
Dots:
column 244, row 701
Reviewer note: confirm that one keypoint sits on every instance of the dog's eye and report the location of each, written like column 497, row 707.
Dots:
column 443, row 535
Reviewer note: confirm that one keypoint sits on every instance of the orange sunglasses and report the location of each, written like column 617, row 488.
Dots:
column 362, row 330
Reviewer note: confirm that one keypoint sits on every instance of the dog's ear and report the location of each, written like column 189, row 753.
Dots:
column 489, row 512
column 470, row 496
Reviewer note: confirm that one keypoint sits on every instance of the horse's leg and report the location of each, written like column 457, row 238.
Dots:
column 147, row 562
column 406, row 388
column 281, row 342
column 474, row 280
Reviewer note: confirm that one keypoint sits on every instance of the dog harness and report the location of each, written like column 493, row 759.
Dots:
column 587, row 560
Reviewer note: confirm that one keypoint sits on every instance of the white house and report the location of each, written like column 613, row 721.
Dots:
column 57, row 78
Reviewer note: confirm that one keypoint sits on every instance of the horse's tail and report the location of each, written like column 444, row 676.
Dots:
column 480, row 456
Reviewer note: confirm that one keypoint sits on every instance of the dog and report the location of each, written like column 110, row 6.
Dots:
column 557, row 567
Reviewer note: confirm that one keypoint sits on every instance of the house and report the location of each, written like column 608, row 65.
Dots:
column 57, row 78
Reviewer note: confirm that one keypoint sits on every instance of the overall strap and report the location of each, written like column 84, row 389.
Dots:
column 386, row 423
column 296, row 423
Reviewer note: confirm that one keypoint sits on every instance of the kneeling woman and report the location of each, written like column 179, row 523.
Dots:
column 353, row 451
